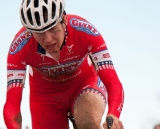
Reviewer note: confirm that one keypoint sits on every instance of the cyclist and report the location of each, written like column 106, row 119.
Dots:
column 67, row 59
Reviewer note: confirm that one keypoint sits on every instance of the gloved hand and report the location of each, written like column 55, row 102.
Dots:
column 112, row 122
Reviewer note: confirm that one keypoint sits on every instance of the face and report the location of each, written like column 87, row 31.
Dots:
column 52, row 39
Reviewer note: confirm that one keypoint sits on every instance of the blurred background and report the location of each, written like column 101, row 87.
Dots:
column 131, row 30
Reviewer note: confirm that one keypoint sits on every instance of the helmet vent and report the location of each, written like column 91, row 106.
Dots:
column 29, row 16
column 22, row 1
column 60, row 10
column 45, row 14
column 41, row 15
column 22, row 14
column 37, row 18
column 46, row 1
column 28, row 2
column 53, row 9
column 36, row 3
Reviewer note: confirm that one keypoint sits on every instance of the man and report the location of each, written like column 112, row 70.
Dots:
column 60, row 49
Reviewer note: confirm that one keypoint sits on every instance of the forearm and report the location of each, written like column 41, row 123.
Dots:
column 11, row 112
column 115, row 100
column 115, row 92
column 12, row 117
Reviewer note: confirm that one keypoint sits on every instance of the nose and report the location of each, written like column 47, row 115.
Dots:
column 48, row 37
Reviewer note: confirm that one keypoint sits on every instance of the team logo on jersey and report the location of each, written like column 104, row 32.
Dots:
column 55, row 71
column 19, row 42
column 70, row 48
column 84, row 26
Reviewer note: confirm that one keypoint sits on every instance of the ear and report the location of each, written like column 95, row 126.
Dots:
column 65, row 19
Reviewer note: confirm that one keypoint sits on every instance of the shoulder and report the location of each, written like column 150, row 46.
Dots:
column 81, row 24
column 20, row 40
column 71, row 16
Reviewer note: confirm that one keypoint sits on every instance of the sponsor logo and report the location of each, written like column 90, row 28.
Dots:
column 70, row 58
column 19, row 42
column 64, row 79
column 84, row 26
column 47, row 63
column 10, row 75
column 102, row 56
column 16, row 74
column 11, row 65
column 121, row 104
column 106, row 55
column 22, row 75
column 23, row 62
column 70, row 48
column 103, row 45
column 103, row 60
column 63, row 69
column 89, row 48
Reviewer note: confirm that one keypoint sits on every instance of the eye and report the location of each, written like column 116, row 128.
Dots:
column 52, row 29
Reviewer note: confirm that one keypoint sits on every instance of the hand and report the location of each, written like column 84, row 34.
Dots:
column 117, row 124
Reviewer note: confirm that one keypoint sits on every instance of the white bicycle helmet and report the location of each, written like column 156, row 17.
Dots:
column 41, row 15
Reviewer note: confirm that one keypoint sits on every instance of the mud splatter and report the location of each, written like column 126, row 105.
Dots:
column 18, row 119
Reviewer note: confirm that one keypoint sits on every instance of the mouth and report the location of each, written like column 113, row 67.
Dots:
column 51, row 47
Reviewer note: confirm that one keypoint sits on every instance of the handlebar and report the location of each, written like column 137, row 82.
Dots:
column 109, row 121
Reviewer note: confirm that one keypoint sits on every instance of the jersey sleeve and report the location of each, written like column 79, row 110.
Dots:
column 16, row 72
column 106, row 71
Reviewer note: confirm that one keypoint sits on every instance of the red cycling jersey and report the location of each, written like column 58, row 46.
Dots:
column 48, row 76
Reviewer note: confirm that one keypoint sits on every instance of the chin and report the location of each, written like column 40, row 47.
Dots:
column 55, row 51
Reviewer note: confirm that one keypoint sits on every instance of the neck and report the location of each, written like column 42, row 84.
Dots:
column 55, row 55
